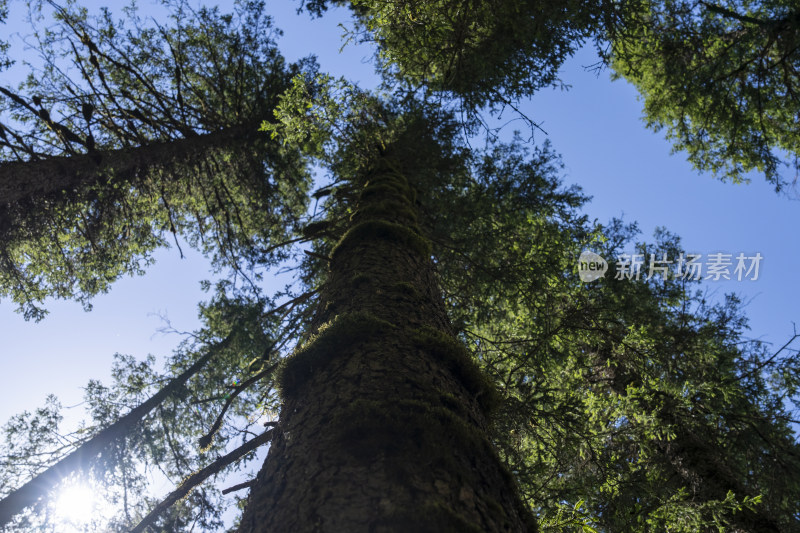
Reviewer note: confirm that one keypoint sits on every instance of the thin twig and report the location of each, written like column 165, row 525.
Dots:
column 766, row 362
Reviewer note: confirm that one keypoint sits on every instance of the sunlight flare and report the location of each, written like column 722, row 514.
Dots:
column 78, row 504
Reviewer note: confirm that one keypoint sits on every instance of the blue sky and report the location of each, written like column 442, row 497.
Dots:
column 606, row 149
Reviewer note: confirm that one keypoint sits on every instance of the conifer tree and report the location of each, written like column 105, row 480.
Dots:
column 436, row 364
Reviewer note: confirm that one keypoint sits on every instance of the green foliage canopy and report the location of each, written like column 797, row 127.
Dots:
column 626, row 405
column 131, row 136
column 721, row 78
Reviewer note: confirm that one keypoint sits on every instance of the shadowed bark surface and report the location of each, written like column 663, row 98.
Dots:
column 384, row 425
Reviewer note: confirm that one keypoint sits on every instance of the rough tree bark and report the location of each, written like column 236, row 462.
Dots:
column 384, row 423
column 24, row 184
column 24, row 180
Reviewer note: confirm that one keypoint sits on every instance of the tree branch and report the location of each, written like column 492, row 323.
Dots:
column 239, row 486
column 83, row 456
column 200, row 476
column 766, row 362
column 205, row 440
column 725, row 12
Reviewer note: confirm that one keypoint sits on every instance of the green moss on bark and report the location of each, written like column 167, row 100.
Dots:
column 332, row 339
column 387, row 209
column 314, row 229
column 405, row 288
column 361, row 279
column 372, row 230
column 459, row 361
column 386, row 189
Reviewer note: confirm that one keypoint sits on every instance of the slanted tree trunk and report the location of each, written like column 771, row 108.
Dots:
column 53, row 178
column 81, row 459
column 384, row 423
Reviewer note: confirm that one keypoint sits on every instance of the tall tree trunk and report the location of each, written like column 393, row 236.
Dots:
column 384, row 423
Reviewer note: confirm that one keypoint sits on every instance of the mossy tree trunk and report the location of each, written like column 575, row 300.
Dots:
column 384, row 423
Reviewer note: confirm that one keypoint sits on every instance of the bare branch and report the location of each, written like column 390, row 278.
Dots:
column 200, row 476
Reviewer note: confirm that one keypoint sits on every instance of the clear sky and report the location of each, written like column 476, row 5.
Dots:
column 606, row 150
